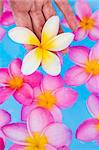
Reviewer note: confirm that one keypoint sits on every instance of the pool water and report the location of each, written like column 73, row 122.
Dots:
column 73, row 116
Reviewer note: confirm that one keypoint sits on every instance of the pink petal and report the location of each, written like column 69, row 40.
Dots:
column 34, row 79
column 24, row 95
column 82, row 9
column 37, row 91
column 26, row 110
column 57, row 114
column 5, row 117
column 76, row 76
column 63, row 148
column 17, row 147
column 95, row 16
column 64, row 22
column 50, row 147
column 16, row 132
column 58, row 134
column 4, row 94
column 38, row 119
column 87, row 131
column 2, row 33
column 4, row 76
column 93, row 105
column 93, row 34
column 1, row 144
column 6, row 6
column 15, row 67
column 94, row 53
column 79, row 55
column 2, row 137
column 52, row 82
column 93, row 84
column 66, row 97
column 7, row 18
column 80, row 34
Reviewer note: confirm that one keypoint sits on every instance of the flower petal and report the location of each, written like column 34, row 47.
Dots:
column 31, row 61
column 2, row 33
column 63, row 148
column 65, row 97
column 2, row 146
column 5, row 117
column 94, row 53
column 5, row 92
column 57, row 114
column 59, row 42
column 93, row 105
column 82, row 9
column 16, row 132
column 4, row 76
column 50, row 29
column 50, row 147
column 15, row 67
column 17, row 147
column 34, row 79
column 76, row 76
column 80, row 34
column 93, row 84
column 51, row 63
column 87, row 131
column 23, row 35
column 58, row 134
column 95, row 16
column 79, row 55
column 24, row 95
column 93, row 34
column 38, row 119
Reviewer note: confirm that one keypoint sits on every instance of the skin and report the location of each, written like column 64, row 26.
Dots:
column 34, row 13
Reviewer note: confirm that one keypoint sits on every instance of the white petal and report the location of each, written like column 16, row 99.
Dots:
column 23, row 36
column 50, row 29
column 60, row 42
column 31, row 61
column 51, row 63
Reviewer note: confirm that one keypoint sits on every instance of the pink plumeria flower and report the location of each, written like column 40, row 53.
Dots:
column 2, row 33
column 86, row 69
column 88, row 23
column 89, row 129
column 13, row 82
column 40, row 133
column 5, row 118
column 45, row 53
column 53, row 96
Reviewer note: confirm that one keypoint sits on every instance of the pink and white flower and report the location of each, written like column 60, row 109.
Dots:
column 53, row 96
column 86, row 69
column 89, row 129
column 5, row 118
column 40, row 132
column 13, row 82
column 88, row 23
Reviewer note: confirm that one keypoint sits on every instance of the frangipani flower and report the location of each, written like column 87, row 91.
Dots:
column 40, row 133
column 5, row 118
column 89, row 129
column 13, row 82
column 53, row 96
column 86, row 69
column 88, row 23
column 45, row 51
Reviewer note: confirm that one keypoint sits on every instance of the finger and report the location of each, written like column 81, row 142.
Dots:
column 1, row 7
column 38, row 22
column 68, row 13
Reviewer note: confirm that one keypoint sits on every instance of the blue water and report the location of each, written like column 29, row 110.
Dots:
column 72, row 117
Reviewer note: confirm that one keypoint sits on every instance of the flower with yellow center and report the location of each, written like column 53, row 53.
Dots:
column 15, row 82
column 45, row 53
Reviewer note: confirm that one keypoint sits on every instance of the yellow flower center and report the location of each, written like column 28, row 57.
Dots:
column 37, row 142
column 46, row 100
column 87, row 23
column 15, row 82
column 97, row 127
column 92, row 67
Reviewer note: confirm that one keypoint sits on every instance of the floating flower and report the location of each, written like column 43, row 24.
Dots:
column 5, row 118
column 45, row 51
column 53, row 96
column 40, row 133
column 89, row 129
column 13, row 82
column 86, row 69
column 88, row 23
